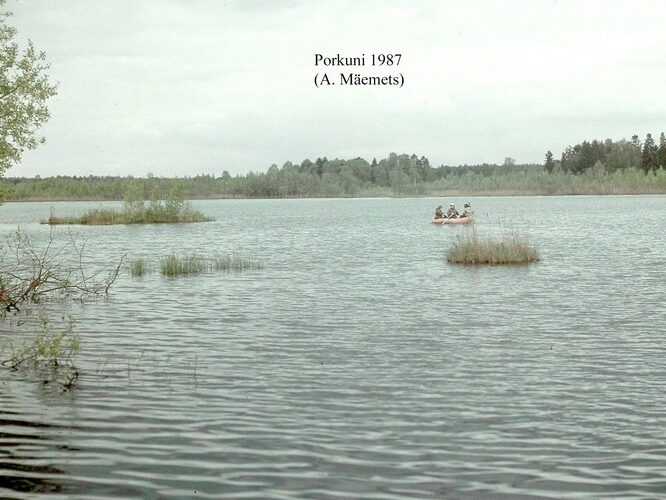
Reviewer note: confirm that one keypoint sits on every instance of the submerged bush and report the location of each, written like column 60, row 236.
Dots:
column 51, row 352
column 36, row 282
column 512, row 248
column 48, row 272
column 51, row 347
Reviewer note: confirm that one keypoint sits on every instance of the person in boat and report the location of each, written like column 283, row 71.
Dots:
column 439, row 213
column 467, row 212
column 451, row 213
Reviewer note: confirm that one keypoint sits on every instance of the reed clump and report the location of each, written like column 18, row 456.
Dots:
column 235, row 262
column 512, row 248
column 139, row 267
column 186, row 265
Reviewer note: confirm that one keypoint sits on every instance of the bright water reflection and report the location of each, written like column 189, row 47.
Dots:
column 357, row 363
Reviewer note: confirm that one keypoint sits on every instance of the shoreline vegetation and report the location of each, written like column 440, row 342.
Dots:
column 588, row 168
column 521, row 180
column 512, row 248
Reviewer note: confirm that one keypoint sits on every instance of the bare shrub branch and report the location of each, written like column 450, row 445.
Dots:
column 57, row 271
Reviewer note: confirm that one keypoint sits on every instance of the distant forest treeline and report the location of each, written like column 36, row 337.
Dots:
column 597, row 167
column 611, row 155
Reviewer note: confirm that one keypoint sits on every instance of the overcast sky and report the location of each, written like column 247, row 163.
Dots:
column 201, row 86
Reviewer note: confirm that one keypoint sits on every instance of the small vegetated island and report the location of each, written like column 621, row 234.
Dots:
column 512, row 248
column 172, row 208
column 469, row 248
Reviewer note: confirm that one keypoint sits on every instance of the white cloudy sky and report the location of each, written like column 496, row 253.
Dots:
column 201, row 86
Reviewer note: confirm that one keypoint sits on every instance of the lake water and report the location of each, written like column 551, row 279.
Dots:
column 358, row 363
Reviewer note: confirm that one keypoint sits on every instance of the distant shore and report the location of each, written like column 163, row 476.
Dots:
column 442, row 194
column 352, row 179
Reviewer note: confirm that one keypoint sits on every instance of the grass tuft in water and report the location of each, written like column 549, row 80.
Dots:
column 512, row 248
column 191, row 264
column 139, row 267
column 174, row 265
column 235, row 262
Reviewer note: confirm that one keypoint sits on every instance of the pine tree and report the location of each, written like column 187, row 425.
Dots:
column 661, row 152
column 649, row 157
column 635, row 142
column 550, row 164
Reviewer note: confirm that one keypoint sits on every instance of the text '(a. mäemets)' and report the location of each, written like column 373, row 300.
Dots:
column 378, row 62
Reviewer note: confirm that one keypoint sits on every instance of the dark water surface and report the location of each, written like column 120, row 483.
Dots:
column 358, row 363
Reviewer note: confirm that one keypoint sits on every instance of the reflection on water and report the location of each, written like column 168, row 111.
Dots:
column 358, row 363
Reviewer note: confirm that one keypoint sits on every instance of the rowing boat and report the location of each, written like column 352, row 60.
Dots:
column 461, row 220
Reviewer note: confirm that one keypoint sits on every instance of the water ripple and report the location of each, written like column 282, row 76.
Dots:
column 358, row 364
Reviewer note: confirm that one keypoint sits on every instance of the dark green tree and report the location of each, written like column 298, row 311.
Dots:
column 587, row 156
column 661, row 152
column 572, row 160
column 319, row 165
column 549, row 164
column 24, row 90
column 649, row 158
column 635, row 142
column 621, row 155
